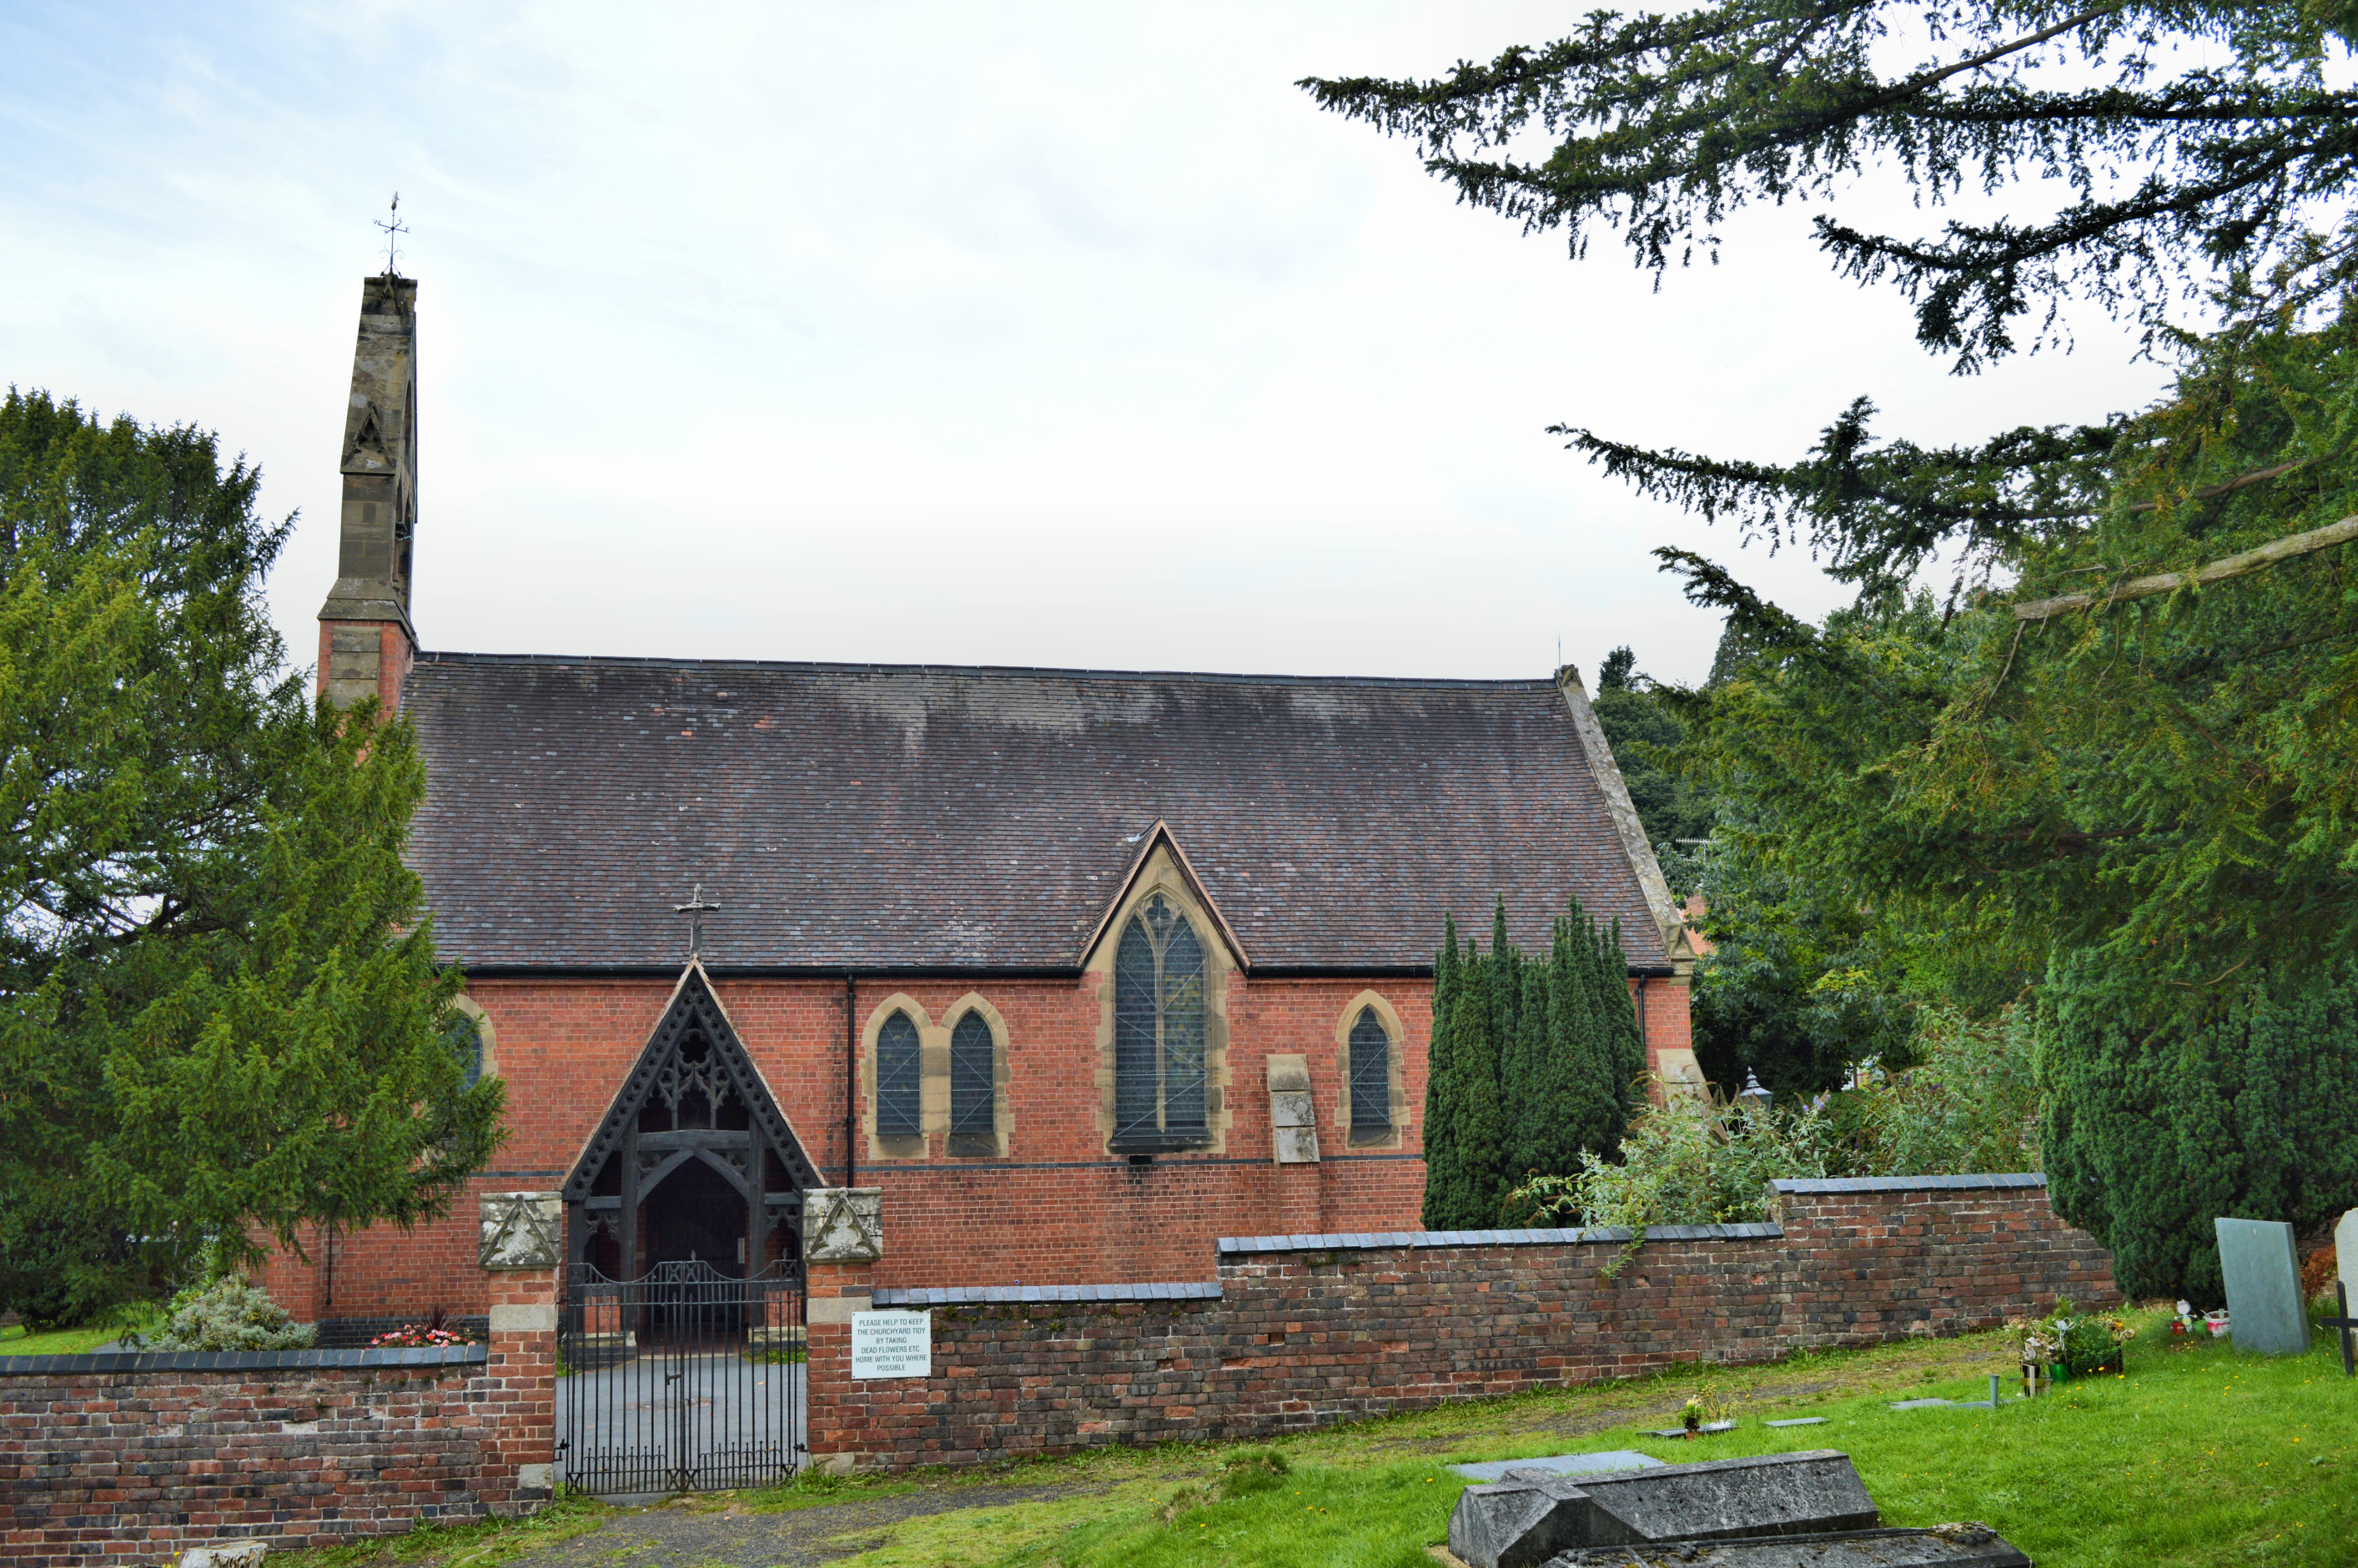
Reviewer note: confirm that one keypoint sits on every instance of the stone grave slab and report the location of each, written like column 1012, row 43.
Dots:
column 1941, row 1546
column 2262, row 1266
column 1562, row 1465
column 1798, row 1421
column 1520, row 1522
column 1681, row 1432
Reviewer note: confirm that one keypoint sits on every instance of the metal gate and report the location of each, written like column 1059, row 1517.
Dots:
column 684, row 1380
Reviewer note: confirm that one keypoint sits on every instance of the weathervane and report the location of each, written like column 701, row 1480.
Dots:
column 696, row 909
column 394, row 228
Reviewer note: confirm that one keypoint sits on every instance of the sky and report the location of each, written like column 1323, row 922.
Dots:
column 1066, row 335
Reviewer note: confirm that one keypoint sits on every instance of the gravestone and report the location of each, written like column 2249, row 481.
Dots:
column 2345, row 1251
column 1529, row 1516
column 2265, row 1312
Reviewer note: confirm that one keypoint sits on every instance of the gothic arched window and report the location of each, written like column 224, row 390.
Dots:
column 1158, row 1032
column 898, row 1097
column 974, row 1101
column 1371, row 1078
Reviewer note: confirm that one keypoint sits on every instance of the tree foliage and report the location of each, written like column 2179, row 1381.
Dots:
column 1535, row 1059
column 221, row 1015
column 2190, row 142
column 2155, row 800
column 2249, row 1111
column 1644, row 732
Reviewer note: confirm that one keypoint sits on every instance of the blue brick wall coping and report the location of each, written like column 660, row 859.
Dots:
column 242, row 1360
column 1594, row 1234
column 1906, row 1183
column 1044, row 1295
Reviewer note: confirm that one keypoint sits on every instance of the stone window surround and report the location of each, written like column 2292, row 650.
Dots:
column 1161, row 873
column 1398, row 1031
column 933, row 1139
column 486, row 1031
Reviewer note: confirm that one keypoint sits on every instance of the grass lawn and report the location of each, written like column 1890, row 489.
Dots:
column 15, row 1341
column 2196, row 1457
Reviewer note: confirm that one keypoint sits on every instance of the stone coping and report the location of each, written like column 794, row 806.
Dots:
column 119, row 1361
column 1592, row 1234
column 1904, row 1183
column 1044, row 1295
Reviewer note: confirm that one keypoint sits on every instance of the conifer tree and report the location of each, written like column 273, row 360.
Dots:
column 1444, row 1175
column 222, row 1019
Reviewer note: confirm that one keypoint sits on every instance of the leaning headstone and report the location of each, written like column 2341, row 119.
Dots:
column 2262, row 1266
column 1529, row 1515
column 1943, row 1546
column 226, row 1554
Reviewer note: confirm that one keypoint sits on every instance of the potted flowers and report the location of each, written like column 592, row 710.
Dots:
column 2066, row 1345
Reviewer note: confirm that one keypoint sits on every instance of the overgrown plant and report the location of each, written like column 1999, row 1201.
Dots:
column 229, row 1314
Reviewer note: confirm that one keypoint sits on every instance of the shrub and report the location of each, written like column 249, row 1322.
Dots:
column 229, row 1315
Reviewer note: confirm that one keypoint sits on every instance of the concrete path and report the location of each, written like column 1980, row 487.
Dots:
column 683, row 1536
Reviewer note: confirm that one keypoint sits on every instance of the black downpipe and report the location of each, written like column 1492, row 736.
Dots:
column 850, row 1080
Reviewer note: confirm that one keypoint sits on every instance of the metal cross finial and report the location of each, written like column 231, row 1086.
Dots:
column 394, row 228
column 696, row 909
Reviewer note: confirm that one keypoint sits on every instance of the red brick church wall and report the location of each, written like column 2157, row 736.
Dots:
column 565, row 1045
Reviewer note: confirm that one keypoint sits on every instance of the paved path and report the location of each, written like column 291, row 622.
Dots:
column 677, row 1536
column 622, row 1428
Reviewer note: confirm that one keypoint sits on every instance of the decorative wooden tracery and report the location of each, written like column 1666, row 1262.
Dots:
column 695, row 1069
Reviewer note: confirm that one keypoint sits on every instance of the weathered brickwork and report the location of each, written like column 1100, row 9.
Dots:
column 1311, row 1331
column 565, row 1045
column 127, row 1459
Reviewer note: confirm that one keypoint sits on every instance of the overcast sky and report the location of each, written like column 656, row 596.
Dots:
column 1004, row 333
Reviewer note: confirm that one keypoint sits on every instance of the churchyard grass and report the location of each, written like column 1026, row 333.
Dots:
column 2197, row 1457
column 15, row 1340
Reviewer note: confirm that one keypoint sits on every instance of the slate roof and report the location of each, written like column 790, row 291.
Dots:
column 942, row 817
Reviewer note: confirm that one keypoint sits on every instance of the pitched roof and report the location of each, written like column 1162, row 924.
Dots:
column 917, row 816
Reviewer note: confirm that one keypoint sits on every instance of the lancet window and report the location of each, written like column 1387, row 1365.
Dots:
column 1159, row 1032
column 899, row 1095
column 1371, row 1078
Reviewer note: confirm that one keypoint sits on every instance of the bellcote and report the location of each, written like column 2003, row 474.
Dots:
column 366, row 641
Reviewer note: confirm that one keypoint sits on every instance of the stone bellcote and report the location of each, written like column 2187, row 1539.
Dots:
column 366, row 642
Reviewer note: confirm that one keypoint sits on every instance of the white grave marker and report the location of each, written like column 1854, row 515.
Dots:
column 891, row 1344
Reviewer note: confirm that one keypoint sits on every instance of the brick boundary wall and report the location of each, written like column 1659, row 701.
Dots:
column 128, row 1458
column 1301, row 1332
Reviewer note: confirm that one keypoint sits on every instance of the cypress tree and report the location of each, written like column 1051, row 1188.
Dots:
column 2149, row 1131
column 1444, row 1177
column 1473, row 1043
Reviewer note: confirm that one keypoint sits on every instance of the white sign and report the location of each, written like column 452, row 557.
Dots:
column 891, row 1344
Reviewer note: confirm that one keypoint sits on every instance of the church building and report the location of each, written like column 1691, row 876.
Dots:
column 1082, row 969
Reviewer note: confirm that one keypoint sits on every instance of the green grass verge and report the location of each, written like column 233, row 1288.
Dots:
column 17, row 1341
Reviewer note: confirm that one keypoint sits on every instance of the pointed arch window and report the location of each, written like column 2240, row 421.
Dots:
column 899, row 1099
column 1371, row 1078
column 974, row 1099
column 1158, row 1032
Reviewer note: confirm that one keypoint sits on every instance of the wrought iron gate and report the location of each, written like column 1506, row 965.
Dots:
column 684, row 1380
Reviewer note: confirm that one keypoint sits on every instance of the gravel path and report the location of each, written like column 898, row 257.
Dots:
column 692, row 1538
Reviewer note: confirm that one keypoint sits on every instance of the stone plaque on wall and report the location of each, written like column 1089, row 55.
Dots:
column 522, row 1230
column 1292, row 1119
column 843, row 1224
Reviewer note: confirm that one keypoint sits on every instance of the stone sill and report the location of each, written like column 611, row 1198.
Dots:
column 241, row 1360
column 1808, row 1186
column 1043, row 1295
column 1590, row 1236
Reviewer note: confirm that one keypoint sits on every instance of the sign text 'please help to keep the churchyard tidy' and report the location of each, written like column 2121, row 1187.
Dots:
column 891, row 1344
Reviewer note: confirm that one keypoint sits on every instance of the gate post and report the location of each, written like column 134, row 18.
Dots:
column 523, row 1242
column 843, row 1239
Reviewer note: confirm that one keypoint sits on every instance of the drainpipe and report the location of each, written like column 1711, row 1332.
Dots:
column 850, row 1080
